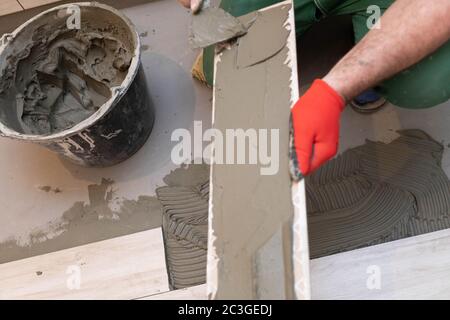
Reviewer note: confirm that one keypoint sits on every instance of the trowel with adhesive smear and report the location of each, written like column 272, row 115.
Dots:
column 212, row 25
column 196, row 5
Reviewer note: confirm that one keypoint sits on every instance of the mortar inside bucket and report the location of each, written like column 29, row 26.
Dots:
column 71, row 80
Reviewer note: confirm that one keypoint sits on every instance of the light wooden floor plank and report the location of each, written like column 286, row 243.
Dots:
column 411, row 268
column 9, row 6
column 122, row 268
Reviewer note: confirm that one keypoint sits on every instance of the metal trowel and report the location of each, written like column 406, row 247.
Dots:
column 212, row 25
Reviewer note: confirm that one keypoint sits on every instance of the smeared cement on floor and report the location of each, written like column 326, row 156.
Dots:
column 187, row 176
column 102, row 217
column 98, row 219
column 377, row 193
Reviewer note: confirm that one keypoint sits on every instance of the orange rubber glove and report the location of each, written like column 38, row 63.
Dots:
column 315, row 121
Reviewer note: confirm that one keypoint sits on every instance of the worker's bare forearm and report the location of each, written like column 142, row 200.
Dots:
column 410, row 30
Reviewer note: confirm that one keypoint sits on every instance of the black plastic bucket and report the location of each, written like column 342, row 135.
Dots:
column 120, row 126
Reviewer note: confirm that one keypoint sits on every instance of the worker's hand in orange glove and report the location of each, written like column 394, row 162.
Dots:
column 315, row 121
column 194, row 5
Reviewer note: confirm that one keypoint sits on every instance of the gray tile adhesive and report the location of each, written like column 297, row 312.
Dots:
column 377, row 193
column 185, row 232
column 62, row 77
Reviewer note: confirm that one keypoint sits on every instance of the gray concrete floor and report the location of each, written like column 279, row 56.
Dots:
column 31, row 214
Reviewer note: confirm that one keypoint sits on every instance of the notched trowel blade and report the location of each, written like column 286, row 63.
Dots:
column 214, row 25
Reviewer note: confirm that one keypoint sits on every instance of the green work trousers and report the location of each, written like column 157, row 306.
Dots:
column 424, row 85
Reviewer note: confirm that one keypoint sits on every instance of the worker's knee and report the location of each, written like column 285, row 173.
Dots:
column 424, row 85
